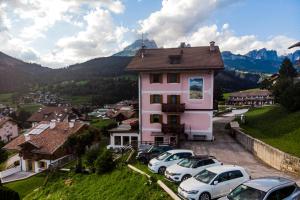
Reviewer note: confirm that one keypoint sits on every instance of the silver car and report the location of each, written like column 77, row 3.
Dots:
column 268, row 188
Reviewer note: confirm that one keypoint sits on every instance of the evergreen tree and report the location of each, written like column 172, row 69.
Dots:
column 287, row 70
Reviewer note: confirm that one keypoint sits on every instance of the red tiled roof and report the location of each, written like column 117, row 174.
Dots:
column 194, row 58
column 49, row 113
column 251, row 93
column 48, row 141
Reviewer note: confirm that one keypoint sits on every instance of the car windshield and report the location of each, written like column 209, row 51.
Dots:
column 163, row 156
column 188, row 163
column 244, row 192
column 205, row 176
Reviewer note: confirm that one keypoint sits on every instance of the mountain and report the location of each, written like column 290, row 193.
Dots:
column 16, row 74
column 263, row 54
column 135, row 46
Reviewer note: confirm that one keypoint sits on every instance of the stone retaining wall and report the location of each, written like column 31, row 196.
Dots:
column 268, row 154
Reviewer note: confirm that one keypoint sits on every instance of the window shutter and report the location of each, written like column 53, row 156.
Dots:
column 161, row 98
column 169, row 98
column 160, row 119
column 160, row 78
column 151, row 98
column 151, row 78
column 178, row 119
column 168, row 78
column 151, row 118
column 178, row 78
column 178, row 99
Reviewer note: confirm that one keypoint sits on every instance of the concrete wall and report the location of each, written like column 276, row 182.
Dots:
column 268, row 154
column 10, row 171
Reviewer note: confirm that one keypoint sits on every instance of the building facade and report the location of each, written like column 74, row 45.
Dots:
column 8, row 129
column 176, row 93
column 251, row 98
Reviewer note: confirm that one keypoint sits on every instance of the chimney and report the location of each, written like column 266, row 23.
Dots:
column 212, row 46
column 52, row 124
column 182, row 45
column 71, row 123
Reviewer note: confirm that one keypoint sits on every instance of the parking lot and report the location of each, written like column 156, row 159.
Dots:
column 227, row 150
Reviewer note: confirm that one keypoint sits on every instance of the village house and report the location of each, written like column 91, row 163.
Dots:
column 176, row 92
column 125, row 134
column 251, row 98
column 59, row 114
column 8, row 129
column 43, row 145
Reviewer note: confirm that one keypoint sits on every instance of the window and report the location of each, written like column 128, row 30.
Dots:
column 173, row 119
column 174, row 99
column 281, row 193
column 235, row 174
column 159, row 140
column 156, row 98
column 155, row 118
column 156, row 78
column 173, row 78
column 117, row 140
column 196, row 88
column 174, row 157
column 208, row 162
column 174, row 59
column 42, row 164
column 125, row 140
column 223, row 177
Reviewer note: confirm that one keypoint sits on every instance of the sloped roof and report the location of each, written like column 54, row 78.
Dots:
column 48, row 141
column 295, row 45
column 191, row 58
column 251, row 93
column 3, row 120
column 49, row 113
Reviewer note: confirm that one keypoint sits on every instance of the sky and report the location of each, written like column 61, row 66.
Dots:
column 59, row 33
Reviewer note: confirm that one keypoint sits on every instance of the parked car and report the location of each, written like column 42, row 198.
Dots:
column 213, row 182
column 268, row 188
column 189, row 167
column 153, row 151
column 168, row 158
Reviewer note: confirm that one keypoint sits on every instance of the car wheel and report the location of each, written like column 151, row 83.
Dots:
column 161, row 170
column 185, row 177
column 204, row 196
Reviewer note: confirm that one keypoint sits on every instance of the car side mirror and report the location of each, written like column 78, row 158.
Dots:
column 216, row 182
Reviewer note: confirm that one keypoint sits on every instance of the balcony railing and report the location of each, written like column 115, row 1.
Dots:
column 172, row 128
column 176, row 108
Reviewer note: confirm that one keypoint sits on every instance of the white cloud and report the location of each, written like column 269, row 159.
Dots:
column 101, row 37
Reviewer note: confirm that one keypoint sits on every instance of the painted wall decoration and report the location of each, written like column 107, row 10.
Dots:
column 196, row 88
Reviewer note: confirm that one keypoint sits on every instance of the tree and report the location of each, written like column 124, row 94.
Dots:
column 290, row 98
column 105, row 162
column 287, row 70
column 3, row 153
column 77, row 143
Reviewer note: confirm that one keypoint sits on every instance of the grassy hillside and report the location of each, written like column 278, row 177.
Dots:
column 119, row 184
column 275, row 126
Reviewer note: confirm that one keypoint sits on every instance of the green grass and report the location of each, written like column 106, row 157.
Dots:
column 31, row 107
column 120, row 184
column 102, row 123
column 276, row 127
column 24, row 187
column 78, row 100
column 6, row 98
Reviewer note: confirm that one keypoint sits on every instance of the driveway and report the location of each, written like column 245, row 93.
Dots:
column 227, row 150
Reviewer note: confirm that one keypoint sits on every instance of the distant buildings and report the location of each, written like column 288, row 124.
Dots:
column 8, row 129
column 251, row 98
column 43, row 145
column 176, row 92
column 59, row 114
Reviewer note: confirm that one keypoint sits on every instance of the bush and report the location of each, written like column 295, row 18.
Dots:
column 3, row 153
column 290, row 98
column 104, row 162
column 91, row 156
column 8, row 194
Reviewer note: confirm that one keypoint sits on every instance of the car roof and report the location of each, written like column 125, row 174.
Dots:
column 267, row 183
column 224, row 168
column 201, row 157
column 180, row 151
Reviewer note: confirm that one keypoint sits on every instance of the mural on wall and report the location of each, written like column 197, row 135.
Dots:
column 196, row 88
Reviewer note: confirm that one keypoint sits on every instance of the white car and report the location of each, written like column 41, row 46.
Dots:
column 213, row 182
column 189, row 167
column 168, row 158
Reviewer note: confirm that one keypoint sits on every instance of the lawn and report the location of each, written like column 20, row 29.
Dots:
column 120, row 184
column 275, row 126
column 31, row 107
column 6, row 98
column 78, row 100
column 102, row 123
column 24, row 187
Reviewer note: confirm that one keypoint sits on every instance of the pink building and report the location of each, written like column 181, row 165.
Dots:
column 8, row 129
column 176, row 92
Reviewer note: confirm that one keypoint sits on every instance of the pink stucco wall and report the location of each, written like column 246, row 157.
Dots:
column 8, row 128
column 198, row 116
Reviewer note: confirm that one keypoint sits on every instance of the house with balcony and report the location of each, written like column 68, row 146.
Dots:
column 176, row 92
column 251, row 98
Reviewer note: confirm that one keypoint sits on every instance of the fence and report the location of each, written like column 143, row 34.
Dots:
column 62, row 161
column 10, row 171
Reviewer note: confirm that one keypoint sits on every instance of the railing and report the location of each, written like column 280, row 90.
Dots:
column 10, row 171
column 176, row 108
column 62, row 161
column 172, row 128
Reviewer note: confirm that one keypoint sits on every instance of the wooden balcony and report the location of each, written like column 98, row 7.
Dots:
column 173, row 108
column 172, row 128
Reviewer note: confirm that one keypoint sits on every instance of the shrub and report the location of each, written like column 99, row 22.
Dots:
column 104, row 162
column 8, row 194
column 91, row 156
